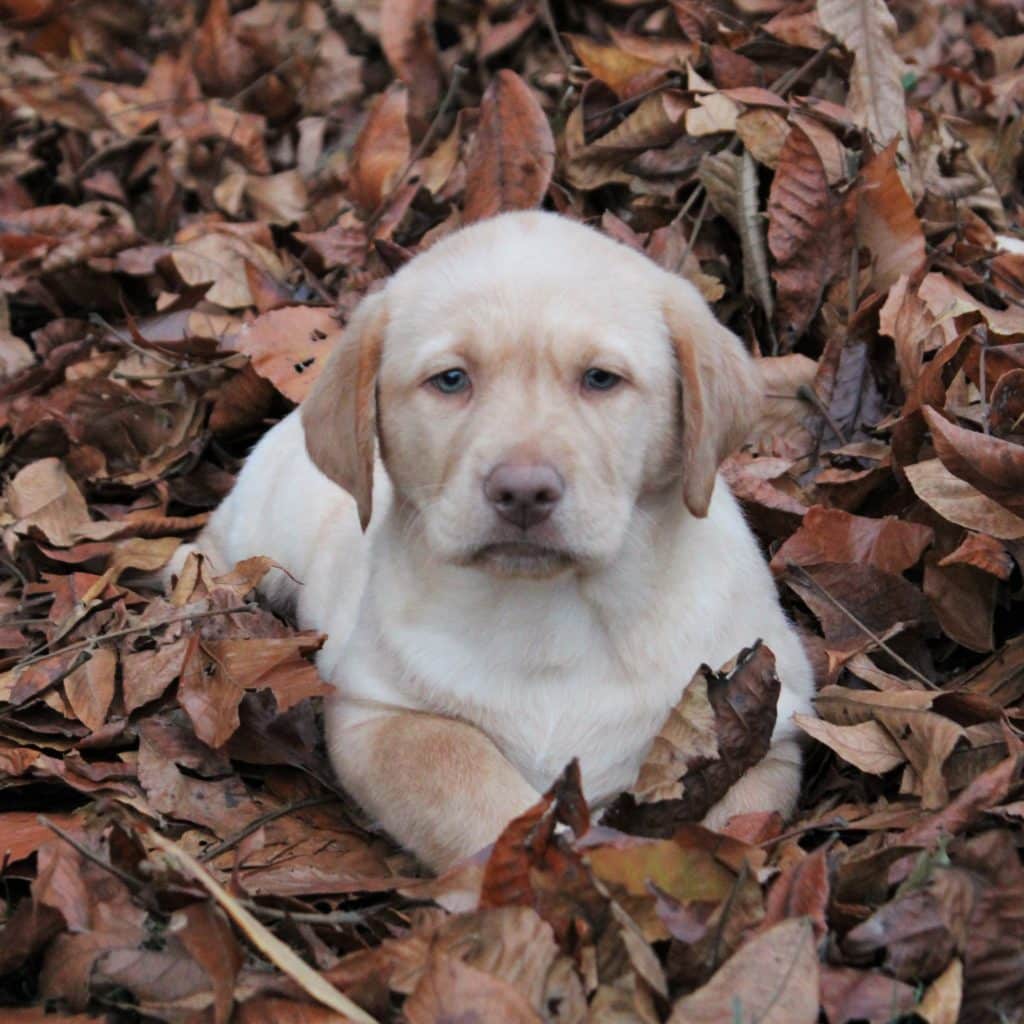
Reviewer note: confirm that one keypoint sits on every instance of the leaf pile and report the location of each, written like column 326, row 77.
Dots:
column 193, row 198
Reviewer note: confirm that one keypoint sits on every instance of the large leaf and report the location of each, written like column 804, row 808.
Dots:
column 868, row 31
column 802, row 233
column 512, row 154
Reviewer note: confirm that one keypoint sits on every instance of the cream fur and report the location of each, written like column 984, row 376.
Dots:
column 466, row 682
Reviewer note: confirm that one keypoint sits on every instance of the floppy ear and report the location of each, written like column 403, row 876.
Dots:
column 340, row 415
column 722, row 391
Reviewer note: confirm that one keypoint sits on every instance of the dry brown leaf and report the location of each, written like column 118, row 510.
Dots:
column 277, row 198
column 773, row 979
column 831, row 535
column 946, row 298
column 221, row 257
column 764, row 133
column 886, row 221
column 512, row 155
column 626, row 74
column 866, row 746
column 731, row 183
column 994, row 467
column 289, row 346
column 913, row 329
column 956, row 500
column 267, row 943
column 941, row 1003
column 782, row 429
column 90, row 688
column 451, row 989
column 982, row 552
column 704, row 758
column 408, row 41
column 686, row 740
column 210, row 695
column 43, row 496
column 802, row 234
column 381, row 152
column 867, row 29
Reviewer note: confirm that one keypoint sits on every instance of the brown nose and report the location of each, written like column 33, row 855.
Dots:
column 524, row 493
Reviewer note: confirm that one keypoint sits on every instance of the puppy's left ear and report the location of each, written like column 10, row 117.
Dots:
column 722, row 390
column 339, row 416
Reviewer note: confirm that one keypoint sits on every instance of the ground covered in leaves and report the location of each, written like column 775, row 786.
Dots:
column 194, row 196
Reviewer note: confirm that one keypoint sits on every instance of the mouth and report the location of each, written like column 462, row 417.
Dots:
column 521, row 558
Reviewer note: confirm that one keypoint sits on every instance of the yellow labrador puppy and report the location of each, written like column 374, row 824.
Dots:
column 548, row 555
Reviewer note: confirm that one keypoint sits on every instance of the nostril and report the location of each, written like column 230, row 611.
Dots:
column 523, row 494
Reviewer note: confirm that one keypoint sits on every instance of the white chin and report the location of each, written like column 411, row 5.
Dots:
column 522, row 559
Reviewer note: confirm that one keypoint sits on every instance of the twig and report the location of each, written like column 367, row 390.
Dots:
column 788, row 79
column 92, row 641
column 727, row 908
column 256, row 824
column 304, row 916
column 807, row 394
column 282, row 956
column 839, row 606
column 186, row 371
column 458, row 74
column 853, row 271
column 133, row 883
column 832, row 823
column 697, row 225
column 549, row 23
column 981, row 379
column 96, row 318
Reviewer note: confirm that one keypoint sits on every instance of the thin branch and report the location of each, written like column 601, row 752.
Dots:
column 549, row 23
column 837, row 824
column 458, row 74
column 92, row 641
column 807, row 394
column 187, row 371
column 697, row 225
column 981, row 379
column 334, row 917
column 133, row 883
column 126, row 339
column 256, row 824
column 866, row 630
column 788, row 79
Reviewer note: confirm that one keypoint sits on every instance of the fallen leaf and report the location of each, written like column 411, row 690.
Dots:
column 381, row 152
column 801, row 234
column 773, row 979
column 868, row 30
column 886, row 221
column 90, row 688
column 831, row 535
column 941, row 1003
column 512, row 155
column 994, row 467
column 956, row 500
column 866, row 746
column 743, row 700
column 307, row 333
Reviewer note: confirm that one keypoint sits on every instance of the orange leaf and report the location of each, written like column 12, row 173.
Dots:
column 512, row 155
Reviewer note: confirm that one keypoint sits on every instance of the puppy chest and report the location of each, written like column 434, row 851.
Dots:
column 609, row 729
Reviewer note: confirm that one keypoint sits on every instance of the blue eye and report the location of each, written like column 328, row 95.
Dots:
column 450, row 382
column 596, row 379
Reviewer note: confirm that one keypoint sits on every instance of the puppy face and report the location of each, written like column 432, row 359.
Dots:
column 530, row 380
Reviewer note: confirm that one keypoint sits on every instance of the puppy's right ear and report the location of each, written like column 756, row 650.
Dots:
column 340, row 415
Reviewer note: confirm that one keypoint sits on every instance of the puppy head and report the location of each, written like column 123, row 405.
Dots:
column 530, row 381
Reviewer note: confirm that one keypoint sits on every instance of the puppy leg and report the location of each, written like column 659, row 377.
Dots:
column 439, row 786
column 771, row 785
